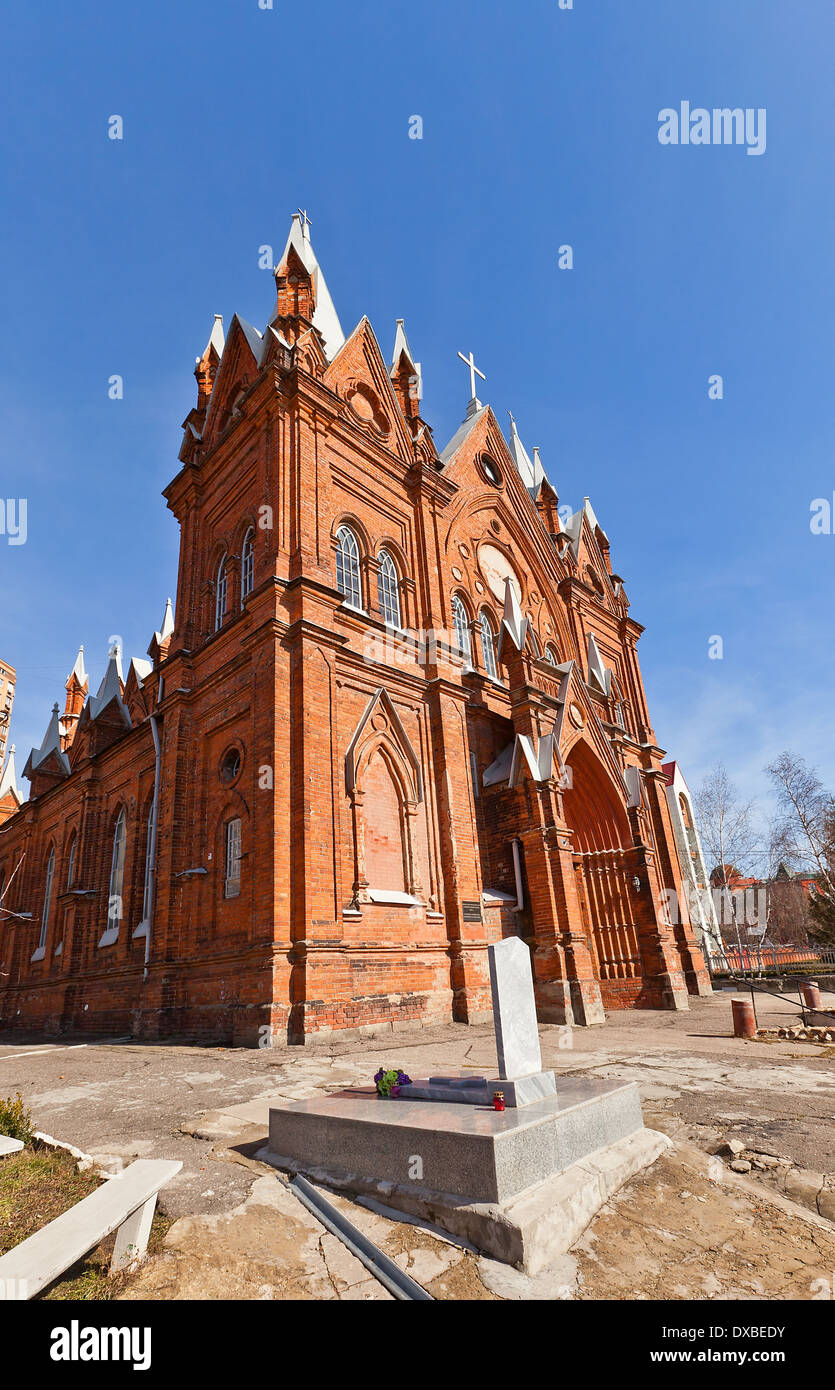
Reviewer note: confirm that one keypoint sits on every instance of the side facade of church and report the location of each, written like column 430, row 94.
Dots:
column 396, row 714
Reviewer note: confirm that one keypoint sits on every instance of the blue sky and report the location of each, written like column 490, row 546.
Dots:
column 540, row 129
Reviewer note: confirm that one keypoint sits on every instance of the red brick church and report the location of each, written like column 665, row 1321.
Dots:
column 395, row 715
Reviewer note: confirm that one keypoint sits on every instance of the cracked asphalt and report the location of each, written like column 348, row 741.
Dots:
column 119, row 1099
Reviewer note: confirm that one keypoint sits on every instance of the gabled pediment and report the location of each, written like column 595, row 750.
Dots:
column 578, row 719
column 359, row 375
column 389, row 728
column 135, row 694
column 239, row 366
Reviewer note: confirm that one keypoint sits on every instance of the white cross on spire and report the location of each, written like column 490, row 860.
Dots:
column 305, row 222
column 474, row 372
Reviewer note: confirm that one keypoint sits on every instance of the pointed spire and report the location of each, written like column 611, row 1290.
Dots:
column 111, row 687
column 530, row 471
column 51, row 745
column 597, row 668
column 324, row 316
column 77, row 689
column 78, row 672
column 406, row 374
column 8, row 780
column 167, row 623
column 207, row 365
column 159, row 642
column 216, row 337
column 539, row 474
column 513, row 620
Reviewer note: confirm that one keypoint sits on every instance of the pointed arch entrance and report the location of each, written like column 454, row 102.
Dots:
column 605, row 863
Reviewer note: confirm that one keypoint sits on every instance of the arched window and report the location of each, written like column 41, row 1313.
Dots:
column 220, row 594
column 551, row 656
column 461, row 621
column 388, row 590
column 247, row 564
column 117, row 874
column 348, row 567
column 232, row 859
column 488, row 647
column 149, row 847
column 685, row 811
column 537, row 650
column 71, row 863
column 47, row 899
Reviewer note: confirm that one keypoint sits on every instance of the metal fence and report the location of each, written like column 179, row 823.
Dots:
column 758, row 958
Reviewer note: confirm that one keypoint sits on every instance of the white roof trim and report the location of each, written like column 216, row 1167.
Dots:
column 8, row 780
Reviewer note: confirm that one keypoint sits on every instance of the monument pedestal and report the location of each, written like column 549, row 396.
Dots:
column 520, row 1184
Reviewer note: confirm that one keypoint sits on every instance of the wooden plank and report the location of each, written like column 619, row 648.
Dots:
column 45, row 1256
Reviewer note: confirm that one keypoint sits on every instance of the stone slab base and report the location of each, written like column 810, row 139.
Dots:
column 529, row 1231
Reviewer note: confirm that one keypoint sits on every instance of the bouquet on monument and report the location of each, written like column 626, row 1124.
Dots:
column 390, row 1081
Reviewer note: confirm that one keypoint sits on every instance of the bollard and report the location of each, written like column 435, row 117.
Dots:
column 811, row 994
column 745, row 1024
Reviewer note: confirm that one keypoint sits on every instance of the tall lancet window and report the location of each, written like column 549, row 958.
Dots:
column 462, row 629
column 149, row 864
column 488, row 647
column 47, row 899
column 117, row 874
column 348, row 567
column 220, row 594
column 247, row 564
column 71, row 863
column 388, row 590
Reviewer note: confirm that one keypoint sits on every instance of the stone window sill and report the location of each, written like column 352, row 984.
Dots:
column 109, row 937
column 391, row 896
column 38, row 953
column 141, row 931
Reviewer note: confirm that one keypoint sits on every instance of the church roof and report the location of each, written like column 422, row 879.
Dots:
column 253, row 337
column 464, row 429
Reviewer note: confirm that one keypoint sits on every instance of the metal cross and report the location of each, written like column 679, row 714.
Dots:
column 474, row 372
column 305, row 219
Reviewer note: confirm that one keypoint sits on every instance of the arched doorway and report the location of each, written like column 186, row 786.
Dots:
column 605, row 864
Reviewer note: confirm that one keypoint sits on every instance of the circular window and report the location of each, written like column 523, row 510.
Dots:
column 490, row 469
column 230, row 765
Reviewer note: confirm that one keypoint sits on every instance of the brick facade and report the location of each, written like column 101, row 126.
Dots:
column 377, row 861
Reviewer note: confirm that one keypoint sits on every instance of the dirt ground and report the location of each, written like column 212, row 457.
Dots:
column 678, row 1230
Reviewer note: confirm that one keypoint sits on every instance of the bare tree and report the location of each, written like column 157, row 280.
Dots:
column 806, row 833
column 726, row 823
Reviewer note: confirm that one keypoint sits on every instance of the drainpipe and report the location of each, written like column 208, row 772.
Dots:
column 152, row 848
column 517, row 869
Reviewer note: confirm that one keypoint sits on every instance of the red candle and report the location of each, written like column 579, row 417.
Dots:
column 498, row 1100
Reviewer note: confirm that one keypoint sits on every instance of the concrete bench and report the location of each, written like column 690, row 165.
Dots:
column 124, row 1204
column 9, row 1146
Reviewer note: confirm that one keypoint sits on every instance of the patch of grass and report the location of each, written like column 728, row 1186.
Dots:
column 40, row 1183
column 16, row 1120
